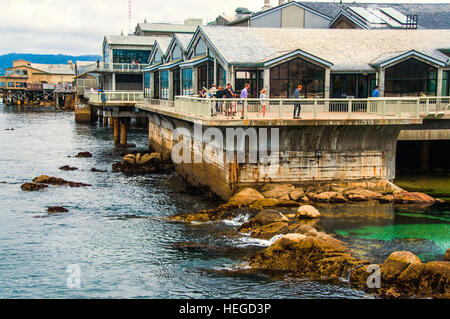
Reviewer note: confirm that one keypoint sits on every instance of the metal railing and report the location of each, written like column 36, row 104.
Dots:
column 371, row 108
column 115, row 67
column 86, row 84
column 115, row 97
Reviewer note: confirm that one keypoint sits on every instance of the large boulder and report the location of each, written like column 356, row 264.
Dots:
column 435, row 280
column 277, row 190
column 33, row 187
column 263, row 218
column 413, row 198
column 307, row 212
column 263, row 203
column 361, row 195
column 246, row 197
column 147, row 158
column 57, row 210
column 396, row 263
column 271, row 230
column 297, row 194
column 327, row 197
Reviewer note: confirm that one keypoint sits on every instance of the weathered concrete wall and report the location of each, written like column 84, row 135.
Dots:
column 308, row 153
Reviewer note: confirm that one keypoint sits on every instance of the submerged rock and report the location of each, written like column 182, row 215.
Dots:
column 32, row 187
column 84, row 155
column 68, row 168
column 57, row 210
column 94, row 170
column 44, row 179
column 138, row 164
column 264, row 218
column 269, row 231
column 307, row 212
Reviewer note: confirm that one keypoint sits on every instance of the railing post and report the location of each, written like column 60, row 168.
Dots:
column 315, row 109
column 383, row 108
column 245, row 109
column 417, row 107
column 350, row 105
column 427, row 106
column 280, row 111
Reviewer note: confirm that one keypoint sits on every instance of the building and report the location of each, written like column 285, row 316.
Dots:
column 165, row 29
column 310, row 14
column 24, row 74
column 324, row 61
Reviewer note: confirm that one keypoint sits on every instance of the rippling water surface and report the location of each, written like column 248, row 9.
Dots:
column 116, row 232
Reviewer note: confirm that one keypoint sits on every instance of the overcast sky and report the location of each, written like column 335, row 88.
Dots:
column 77, row 27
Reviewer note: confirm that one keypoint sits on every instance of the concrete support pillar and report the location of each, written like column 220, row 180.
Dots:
column 440, row 78
column 195, row 87
column 425, row 156
column 266, row 81
column 105, row 121
column 216, row 80
column 171, row 88
column 327, row 83
column 113, row 81
column 123, row 134
column 116, row 131
column 152, row 85
column 381, row 81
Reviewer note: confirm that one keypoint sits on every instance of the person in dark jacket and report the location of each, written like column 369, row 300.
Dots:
column 297, row 105
column 219, row 95
column 229, row 94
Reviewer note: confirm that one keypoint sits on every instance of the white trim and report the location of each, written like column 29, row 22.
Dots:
column 348, row 16
column 300, row 53
column 409, row 54
column 188, row 64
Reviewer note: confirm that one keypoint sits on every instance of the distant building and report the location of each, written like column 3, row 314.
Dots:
column 310, row 14
column 164, row 29
column 24, row 74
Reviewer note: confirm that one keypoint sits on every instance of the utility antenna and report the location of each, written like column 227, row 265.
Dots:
column 130, row 16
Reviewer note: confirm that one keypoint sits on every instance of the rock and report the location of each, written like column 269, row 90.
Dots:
column 263, row 203
column 307, row 212
column 271, row 230
column 294, row 237
column 435, row 280
column 325, row 197
column 447, row 255
column 304, row 199
column 57, row 210
column 286, row 203
column 297, row 194
column 94, row 170
column 361, row 195
column 84, row 155
column 32, row 187
column 388, row 199
column 277, row 191
column 44, row 179
column 263, row 218
column 130, row 159
column 285, row 198
column 413, row 198
column 396, row 263
column 68, row 168
column 246, row 197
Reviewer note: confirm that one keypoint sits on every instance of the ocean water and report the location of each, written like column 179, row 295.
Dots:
column 117, row 237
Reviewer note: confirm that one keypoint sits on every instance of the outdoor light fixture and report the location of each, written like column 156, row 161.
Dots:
column 319, row 154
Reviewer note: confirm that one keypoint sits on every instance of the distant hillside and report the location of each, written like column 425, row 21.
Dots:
column 6, row 60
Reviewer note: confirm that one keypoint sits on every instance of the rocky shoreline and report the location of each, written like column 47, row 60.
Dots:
column 287, row 214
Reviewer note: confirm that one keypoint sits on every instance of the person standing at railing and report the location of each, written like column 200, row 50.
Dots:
column 229, row 94
column 211, row 94
column 98, row 64
column 133, row 65
column 376, row 92
column 297, row 105
column 262, row 97
column 92, row 90
column 219, row 95
column 244, row 96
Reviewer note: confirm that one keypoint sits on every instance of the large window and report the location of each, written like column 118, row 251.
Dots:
column 106, row 53
column 156, row 85
column 11, row 84
column 410, row 78
column 187, row 88
column 176, row 53
column 147, row 79
column 446, row 84
column 200, row 48
column 202, row 77
column 128, row 56
column 286, row 77
column 352, row 85
column 221, row 76
column 2, row 84
column 157, row 58
column 176, row 82
column 165, row 85
column 243, row 77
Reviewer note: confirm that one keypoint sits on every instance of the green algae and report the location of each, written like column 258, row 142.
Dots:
column 435, row 186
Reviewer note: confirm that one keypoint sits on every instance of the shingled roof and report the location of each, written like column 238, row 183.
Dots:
column 345, row 49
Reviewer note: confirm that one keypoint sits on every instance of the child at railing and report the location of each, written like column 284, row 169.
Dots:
column 262, row 96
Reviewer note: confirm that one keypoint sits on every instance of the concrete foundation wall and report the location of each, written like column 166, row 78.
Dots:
column 306, row 154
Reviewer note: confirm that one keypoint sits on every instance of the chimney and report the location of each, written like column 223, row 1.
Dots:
column 267, row 5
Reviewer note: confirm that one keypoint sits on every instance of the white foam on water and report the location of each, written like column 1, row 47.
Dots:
column 239, row 220
column 249, row 241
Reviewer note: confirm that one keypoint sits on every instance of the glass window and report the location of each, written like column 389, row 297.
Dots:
column 165, row 85
column 202, row 77
column 128, row 56
column 446, row 84
column 176, row 53
column 221, row 76
column 157, row 57
column 17, row 72
column 147, row 79
column 2, row 84
column 24, row 72
column 176, row 82
column 410, row 78
column 156, row 85
column 187, row 88
column 243, row 77
column 11, row 84
column 200, row 48
column 286, row 77
column 106, row 53
column 9, row 72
